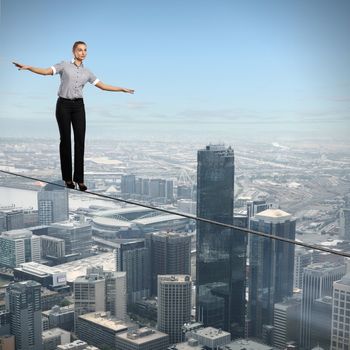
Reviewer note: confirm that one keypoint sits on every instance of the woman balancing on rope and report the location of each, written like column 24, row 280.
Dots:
column 70, row 110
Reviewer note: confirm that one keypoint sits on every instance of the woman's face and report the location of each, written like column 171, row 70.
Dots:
column 80, row 52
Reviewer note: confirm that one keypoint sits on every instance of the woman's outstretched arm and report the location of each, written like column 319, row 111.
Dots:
column 106, row 87
column 42, row 71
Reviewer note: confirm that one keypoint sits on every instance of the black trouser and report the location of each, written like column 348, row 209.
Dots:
column 71, row 112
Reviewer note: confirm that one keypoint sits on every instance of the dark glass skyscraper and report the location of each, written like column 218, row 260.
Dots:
column 170, row 255
column 221, row 252
column 24, row 304
column 133, row 258
column 271, row 266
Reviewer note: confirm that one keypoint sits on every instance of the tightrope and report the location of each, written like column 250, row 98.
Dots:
column 188, row 216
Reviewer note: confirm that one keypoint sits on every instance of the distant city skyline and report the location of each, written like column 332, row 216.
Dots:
column 215, row 70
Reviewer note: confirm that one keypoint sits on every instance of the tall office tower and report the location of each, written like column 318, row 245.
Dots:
column 2, row 222
column 52, row 204
column 128, row 184
column 145, row 187
column 302, row 259
column 138, row 186
column 77, row 236
column 286, row 322
column 170, row 255
column 13, row 218
column 162, row 188
column 345, row 223
column 174, row 305
column 255, row 207
column 170, row 189
column 221, row 252
column 154, row 188
column 23, row 300
column 116, row 296
column 271, row 266
column 18, row 247
column 89, row 294
column 341, row 314
column 133, row 258
column 111, row 290
column 322, row 322
column 30, row 217
column 317, row 282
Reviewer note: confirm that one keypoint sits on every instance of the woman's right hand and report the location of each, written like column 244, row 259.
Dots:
column 20, row 66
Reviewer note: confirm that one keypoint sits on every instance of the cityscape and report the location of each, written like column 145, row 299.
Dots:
column 78, row 271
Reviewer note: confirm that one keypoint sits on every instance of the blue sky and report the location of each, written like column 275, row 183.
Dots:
column 218, row 70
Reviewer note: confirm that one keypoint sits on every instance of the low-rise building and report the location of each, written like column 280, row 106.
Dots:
column 142, row 339
column 99, row 329
column 62, row 317
column 50, row 277
column 54, row 337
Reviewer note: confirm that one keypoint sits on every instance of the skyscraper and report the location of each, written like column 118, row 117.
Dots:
column 13, row 218
column 341, row 314
column 23, row 300
column 317, row 282
column 286, row 322
column 89, row 294
column 128, row 184
column 302, row 259
column 101, row 290
column 133, row 258
column 221, row 252
column 116, row 296
column 174, row 305
column 18, row 247
column 345, row 223
column 170, row 255
column 52, row 204
column 257, row 206
column 271, row 266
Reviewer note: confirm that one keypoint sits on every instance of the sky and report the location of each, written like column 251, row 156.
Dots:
column 216, row 70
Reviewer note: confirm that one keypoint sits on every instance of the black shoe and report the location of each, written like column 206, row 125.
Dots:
column 70, row 184
column 81, row 186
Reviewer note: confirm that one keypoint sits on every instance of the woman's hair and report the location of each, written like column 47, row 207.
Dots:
column 78, row 43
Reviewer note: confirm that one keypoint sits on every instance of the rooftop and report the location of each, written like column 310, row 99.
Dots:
column 273, row 215
column 17, row 234
column 212, row 333
column 121, row 211
column 39, row 269
column 158, row 219
column 78, row 268
column 76, row 344
column 102, row 320
column 174, row 278
column 54, row 332
column 141, row 336
column 240, row 344
column 106, row 221
column 69, row 224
